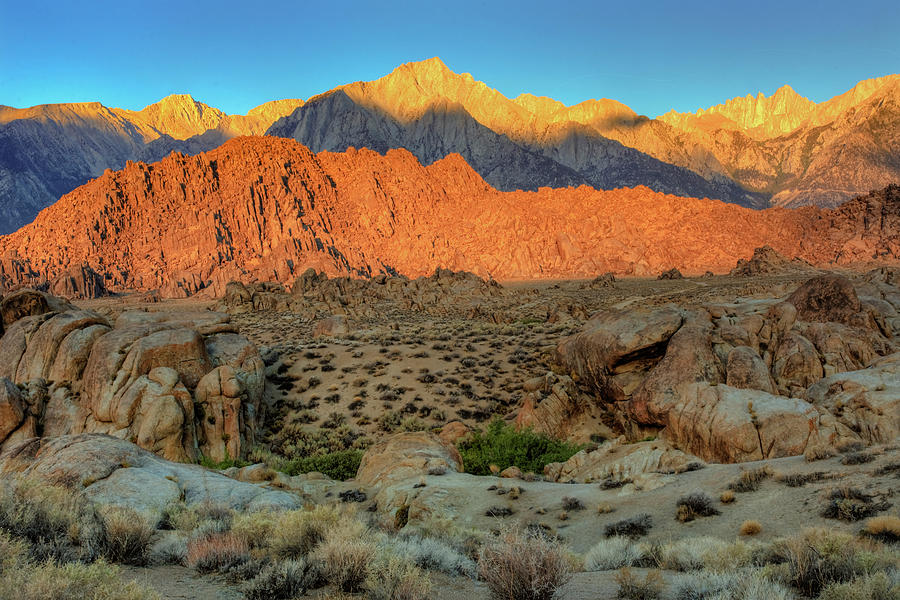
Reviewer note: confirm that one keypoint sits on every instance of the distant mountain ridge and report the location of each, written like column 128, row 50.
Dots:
column 753, row 150
column 266, row 209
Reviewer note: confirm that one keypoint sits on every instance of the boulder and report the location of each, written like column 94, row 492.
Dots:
column 726, row 424
column 642, row 463
column 404, row 456
column 672, row 273
column 29, row 302
column 616, row 348
column 746, row 370
column 114, row 471
column 12, row 408
column 866, row 401
column 453, row 432
column 394, row 470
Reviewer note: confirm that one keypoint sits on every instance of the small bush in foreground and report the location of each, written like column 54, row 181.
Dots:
column 283, row 581
column 636, row 526
column 345, row 554
column 727, row 497
column 300, row 531
column 503, row 446
column 569, row 503
column 857, row 458
column 693, row 506
column 126, row 535
column 818, row 558
column 396, row 579
column 704, row 552
column 612, row 553
column 631, row 587
column 432, row 555
column 524, row 567
column 218, row 552
column 750, row 480
column 730, row 585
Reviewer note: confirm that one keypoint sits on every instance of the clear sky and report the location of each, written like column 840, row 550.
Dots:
column 653, row 56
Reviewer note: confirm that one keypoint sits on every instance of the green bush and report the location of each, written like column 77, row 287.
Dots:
column 340, row 465
column 225, row 464
column 503, row 446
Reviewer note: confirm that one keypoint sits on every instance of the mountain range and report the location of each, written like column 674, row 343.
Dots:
column 753, row 151
column 267, row 209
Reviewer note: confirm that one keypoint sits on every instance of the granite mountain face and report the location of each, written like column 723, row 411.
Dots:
column 753, row 151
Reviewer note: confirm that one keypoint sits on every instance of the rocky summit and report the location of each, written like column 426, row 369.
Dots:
column 267, row 209
column 752, row 151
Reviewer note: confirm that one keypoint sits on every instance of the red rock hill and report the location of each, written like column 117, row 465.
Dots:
column 267, row 208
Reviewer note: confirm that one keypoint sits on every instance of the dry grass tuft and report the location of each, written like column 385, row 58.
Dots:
column 631, row 587
column 750, row 527
column 218, row 552
column 885, row 528
column 727, row 497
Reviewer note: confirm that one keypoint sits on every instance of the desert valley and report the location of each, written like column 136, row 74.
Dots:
column 411, row 338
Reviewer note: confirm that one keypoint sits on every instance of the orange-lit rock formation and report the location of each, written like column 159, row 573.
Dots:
column 267, row 209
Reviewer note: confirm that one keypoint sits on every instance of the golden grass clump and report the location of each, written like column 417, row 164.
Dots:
column 727, row 497
column 750, row 527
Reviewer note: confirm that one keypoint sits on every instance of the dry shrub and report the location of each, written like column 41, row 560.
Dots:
column 727, row 497
column 636, row 526
column 801, row 479
column 126, row 535
column 283, row 581
column 346, row 553
column 605, row 508
column 258, row 527
column 693, row 506
column 218, row 552
column 613, row 553
column 569, row 503
column 850, row 504
column 819, row 452
column 631, row 587
column 885, row 528
column 397, row 579
column 523, row 566
column 729, row 584
column 750, row 479
column 299, row 531
column 431, row 554
column 691, row 553
column 750, row 527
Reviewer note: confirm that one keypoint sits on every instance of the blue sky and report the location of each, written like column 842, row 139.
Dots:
column 653, row 56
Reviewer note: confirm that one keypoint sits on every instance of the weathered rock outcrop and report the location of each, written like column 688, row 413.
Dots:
column 114, row 471
column 393, row 467
column 362, row 214
column 750, row 380
column 332, row 299
column 178, row 384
